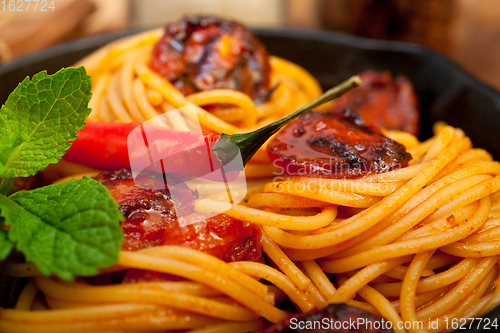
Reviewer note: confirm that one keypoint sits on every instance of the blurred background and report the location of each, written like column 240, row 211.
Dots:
column 467, row 31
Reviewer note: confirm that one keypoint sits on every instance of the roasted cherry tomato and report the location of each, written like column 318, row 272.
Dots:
column 335, row 145
column 205, row 52
column 151, row 221
column 383, row 101
column 221, row 236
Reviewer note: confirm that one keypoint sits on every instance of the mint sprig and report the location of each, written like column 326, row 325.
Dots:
column 69, row 229
column 6, row 245
column 39, row 119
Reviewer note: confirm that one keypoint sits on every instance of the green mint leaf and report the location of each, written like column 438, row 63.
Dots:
column 5, row 245
column 70, row 229
column 6, row 186
column 39, row 118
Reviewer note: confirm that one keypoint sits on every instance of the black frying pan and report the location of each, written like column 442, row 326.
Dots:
column 445, row 91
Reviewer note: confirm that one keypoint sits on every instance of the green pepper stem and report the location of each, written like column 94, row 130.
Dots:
column 227, row 147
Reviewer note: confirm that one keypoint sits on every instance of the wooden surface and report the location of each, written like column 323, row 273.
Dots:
column 480, row 54
column 30, row 30
column 477, row 34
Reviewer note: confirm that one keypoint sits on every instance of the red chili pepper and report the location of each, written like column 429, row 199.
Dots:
column 111, row 146
column 101, row 146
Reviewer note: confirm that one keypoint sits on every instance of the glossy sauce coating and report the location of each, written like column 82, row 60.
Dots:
column 221, row 236
column 334, row 145
column 151, row 221
column 383, row 101
column 205, row 52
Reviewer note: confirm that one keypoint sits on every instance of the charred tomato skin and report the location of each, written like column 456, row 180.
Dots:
column 383, row 100
column 334, row 145
column 148, row 209
column 222, row 236
column 150, row 220
column 207, row 52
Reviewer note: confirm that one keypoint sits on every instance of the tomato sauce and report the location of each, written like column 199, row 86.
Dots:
column 383, row 101
column 334, row 145
column 205, row 52
column 150, row 220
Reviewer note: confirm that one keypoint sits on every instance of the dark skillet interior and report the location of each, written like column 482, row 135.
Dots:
column 445, row 92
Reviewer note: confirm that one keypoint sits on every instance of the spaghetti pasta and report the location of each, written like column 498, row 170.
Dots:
column 461, row 242
column 420, row 243
column 126, row 61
